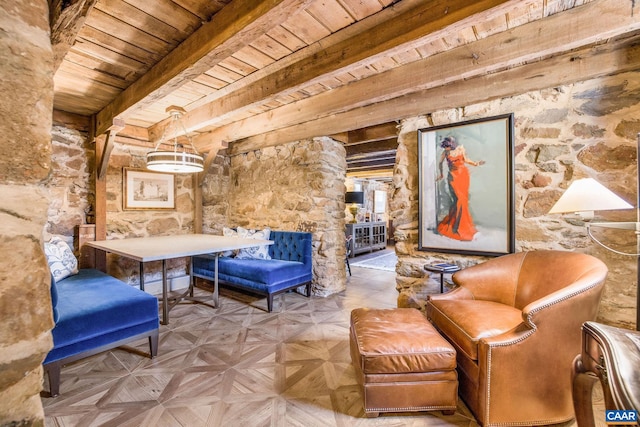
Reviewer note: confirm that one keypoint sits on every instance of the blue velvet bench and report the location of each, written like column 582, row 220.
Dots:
column 289, row 267
column 94, row 312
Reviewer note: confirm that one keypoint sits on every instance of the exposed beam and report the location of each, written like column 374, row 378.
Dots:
column 503, row 51
column 372, row 163
column 370, row 169
column 316, row 48
column 208, row 139
column 380, row 174
column 372, row 147
column 71, row 121
column 572, row 67
column 385, row 131
column 382, row 157
column 398, row 34
column 211, row 156
column 133, row 141
column 107, row 148
column 66, row 18
column 134, row 132
column 233, row 27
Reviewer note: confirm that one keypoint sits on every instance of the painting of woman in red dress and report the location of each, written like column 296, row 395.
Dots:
column 458, row 223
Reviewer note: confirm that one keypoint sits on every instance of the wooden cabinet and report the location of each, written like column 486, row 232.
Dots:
column 367, row 236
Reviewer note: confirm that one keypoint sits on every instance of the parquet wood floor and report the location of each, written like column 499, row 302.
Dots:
column 238, row 365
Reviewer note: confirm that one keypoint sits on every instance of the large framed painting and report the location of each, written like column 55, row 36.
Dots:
column 148, row 190
column 466, row 187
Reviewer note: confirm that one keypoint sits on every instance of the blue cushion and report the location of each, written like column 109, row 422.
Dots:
column 265, row 275
column 95, row 309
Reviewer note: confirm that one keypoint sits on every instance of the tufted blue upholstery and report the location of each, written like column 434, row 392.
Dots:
column 291, row 246
column 290, row 266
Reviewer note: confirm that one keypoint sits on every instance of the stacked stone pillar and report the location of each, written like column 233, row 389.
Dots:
column 26, row 85
column 297, row 186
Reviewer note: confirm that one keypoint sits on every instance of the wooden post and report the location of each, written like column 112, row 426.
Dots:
column 101, row 203
column 104, row 146
column 197, row 196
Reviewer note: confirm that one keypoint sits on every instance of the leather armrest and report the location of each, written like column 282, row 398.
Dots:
column 581, row 289
column 455, row 294
column 515, row 336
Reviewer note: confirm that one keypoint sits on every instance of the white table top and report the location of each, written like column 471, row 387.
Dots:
column 157, row 248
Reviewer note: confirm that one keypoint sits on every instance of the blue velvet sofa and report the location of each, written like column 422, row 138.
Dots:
column 289, row 267
column 94, row 312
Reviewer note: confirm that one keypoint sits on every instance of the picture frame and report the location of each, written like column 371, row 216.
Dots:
column 144, row 190
column 466, row 187
column 379, row 201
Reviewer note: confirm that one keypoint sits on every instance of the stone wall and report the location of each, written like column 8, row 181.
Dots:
column 72, row 188
column 215, row 195
column 297, row 186
column 129, row 223
column 561, row 134
column 25, row 151
column 71, row 182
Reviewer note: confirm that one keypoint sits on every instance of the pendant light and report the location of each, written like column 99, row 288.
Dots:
column 180, row 158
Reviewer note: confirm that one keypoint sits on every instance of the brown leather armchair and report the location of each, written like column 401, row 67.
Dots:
column 515, row 324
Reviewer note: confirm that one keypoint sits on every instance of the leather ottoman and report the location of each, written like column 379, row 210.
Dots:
column 402, row 362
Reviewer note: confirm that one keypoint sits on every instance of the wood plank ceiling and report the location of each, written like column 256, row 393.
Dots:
column 253, row 73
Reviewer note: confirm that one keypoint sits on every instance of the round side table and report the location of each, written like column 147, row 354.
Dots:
column 449, row 269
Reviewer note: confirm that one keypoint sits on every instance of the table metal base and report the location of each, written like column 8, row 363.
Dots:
column 168, row 303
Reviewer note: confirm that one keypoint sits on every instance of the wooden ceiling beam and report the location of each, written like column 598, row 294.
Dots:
column 584, row 64
column 313, row 50
column 112, row 131
column 382, row 132
column 380, row 174
column 71, row 120
column 372, row 163
column 66, row 19
column 370, row 166
column 233, row 27
column 400, row 32
column 382, row 160
column 528, row 43
column 372, row 147
column 209, row 159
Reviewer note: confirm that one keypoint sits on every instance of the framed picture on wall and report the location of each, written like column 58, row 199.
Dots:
column 466, row 187
column 379, row 201
column 148, row 190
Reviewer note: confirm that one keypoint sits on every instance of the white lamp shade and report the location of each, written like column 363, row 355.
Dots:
column 181, row 158
column 174, row 162
column 588, row 195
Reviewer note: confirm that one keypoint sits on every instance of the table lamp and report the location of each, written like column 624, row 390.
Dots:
column 587, row 195
column 355, row 198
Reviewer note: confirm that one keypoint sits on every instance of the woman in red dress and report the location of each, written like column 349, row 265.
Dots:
column 458, row 224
